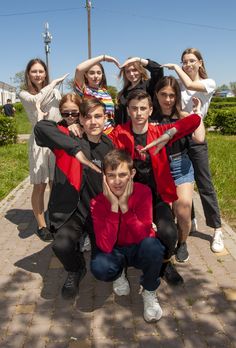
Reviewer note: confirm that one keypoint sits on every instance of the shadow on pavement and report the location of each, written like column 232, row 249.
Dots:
column 24, row 219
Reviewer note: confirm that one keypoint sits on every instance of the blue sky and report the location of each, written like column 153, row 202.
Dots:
column 154, row 29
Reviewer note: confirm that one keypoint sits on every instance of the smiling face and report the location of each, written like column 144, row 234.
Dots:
column 191, row 65
column 166, row 98
column 117, row 179
column 37, row 75
column 132, row 74
column 93, row 123
column 94, row 76
column 70, row 112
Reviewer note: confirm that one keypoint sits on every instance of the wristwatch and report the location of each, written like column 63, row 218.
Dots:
column 169, row 133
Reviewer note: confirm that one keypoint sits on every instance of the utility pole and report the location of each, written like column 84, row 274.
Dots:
column 47, row 40
column 88, row 7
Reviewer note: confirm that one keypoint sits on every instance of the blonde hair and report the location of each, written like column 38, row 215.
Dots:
column 126, row 82
column 196, row 52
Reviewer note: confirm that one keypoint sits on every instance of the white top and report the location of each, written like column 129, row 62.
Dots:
column 41, row 159
column 205, row 97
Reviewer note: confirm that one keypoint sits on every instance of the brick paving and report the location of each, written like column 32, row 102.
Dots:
column 201, row 313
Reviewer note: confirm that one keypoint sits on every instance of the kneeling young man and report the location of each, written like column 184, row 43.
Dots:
column 122, row 221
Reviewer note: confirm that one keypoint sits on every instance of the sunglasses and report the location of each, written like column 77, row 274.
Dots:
column 70, row 113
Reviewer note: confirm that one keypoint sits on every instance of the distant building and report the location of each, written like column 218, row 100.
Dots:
column 7, row 92
column 225, row 93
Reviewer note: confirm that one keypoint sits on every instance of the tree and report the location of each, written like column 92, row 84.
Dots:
column 233, row 87
column 222, row 88
column 19, row 80
column 113, row 92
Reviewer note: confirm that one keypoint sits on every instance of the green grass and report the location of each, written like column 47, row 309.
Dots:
column 14, row 167
column 222, row 154
column 22, row 123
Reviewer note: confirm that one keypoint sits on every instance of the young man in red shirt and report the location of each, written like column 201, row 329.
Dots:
column 122, row 222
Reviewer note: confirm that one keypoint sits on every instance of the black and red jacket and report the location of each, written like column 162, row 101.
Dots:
column 74, row 184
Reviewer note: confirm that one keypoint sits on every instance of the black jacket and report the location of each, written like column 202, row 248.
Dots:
column 156, row 73
column 74, row 184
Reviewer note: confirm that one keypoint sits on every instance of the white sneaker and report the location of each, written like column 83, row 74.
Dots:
column 152, row 310
column 121, row 285
column 217, row 242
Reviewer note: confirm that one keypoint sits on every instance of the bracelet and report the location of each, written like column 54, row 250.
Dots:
column 104, row 57
column 140, row 60
column 169, row 133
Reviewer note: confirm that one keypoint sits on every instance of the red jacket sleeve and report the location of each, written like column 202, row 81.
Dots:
column 105, row 223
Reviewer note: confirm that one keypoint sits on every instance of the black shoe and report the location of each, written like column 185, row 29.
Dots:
column 44, row 234
column 170, row 274
column 182, row 252
column 71, row 285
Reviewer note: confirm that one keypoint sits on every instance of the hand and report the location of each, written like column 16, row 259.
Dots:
column 111, row 60
column 110, row 196
column 76, row 129
column 83, row 159
column 133, row 60
column 59, row 80
column 41, row 114
column 123, row 199
column 159, row 143
column 169, row 66
column 196, row 105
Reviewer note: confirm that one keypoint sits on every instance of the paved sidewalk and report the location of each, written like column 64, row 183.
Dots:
column 201, row 313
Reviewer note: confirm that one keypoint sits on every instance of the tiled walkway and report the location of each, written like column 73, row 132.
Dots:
column 201, row 313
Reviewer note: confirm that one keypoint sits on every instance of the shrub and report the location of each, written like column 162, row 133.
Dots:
column 8, row 132
column 223, row 100
column 19, row 107
column 225, row 120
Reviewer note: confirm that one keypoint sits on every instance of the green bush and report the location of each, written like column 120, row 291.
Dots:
column 19, row 107
column 218, row 105
column 209, row 120
column 225, row 120
column 8, row 131
column 224, row 100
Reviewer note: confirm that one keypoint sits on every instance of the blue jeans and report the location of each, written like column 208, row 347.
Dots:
column 147, row 256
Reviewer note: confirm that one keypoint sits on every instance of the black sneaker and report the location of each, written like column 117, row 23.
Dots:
column 71, row 285
column 44, row 234
column 170, row 274
column 182, row 252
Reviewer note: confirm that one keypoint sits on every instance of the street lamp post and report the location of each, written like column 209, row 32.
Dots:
column 47, row 40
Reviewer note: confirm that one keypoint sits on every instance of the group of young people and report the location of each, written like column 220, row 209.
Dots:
column 124, row 173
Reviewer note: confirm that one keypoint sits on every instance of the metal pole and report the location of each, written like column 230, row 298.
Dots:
column 88, row 7
column 47, row 40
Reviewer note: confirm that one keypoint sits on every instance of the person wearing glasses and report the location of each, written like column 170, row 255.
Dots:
column 194, row 82
column 41, row 160
column 90, row 82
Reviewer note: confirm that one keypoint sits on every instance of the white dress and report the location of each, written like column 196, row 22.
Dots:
column 42, row 161
column 205, row 97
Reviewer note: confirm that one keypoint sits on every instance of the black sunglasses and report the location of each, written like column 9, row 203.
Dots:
column 70, row 113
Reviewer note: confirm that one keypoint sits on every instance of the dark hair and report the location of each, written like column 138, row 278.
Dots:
column 173, row 83
column 144, row 76
column 89, row 104
column 115, row 157
column 74, row 98
column 139, row 95
column 196, row 52
column 8, row 100
column 103, row 82
column 30, row 86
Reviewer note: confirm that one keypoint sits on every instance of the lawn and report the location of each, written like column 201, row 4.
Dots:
column 222, row 149
column 22, row 123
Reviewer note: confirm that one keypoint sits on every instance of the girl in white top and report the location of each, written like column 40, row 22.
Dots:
column 40, row 91
column 194, row 82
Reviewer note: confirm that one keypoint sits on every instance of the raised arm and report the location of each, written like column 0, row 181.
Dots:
column 87, row 64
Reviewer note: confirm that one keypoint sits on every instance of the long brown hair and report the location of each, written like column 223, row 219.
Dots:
column 126, row 82
column 173, row 83
column 30, row 86
column 196, row 52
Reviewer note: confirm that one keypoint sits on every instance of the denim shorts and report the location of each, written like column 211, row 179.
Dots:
column 182, row 169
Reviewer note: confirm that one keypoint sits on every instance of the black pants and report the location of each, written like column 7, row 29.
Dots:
column 66, row 244
column 166, row 228
column 198, row 154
